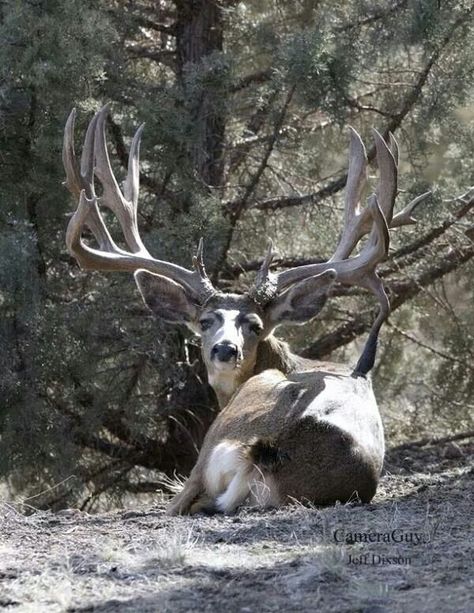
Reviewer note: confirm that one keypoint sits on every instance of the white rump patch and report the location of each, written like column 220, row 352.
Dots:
column 235, row 494
column 226, row 460
column 231, row 478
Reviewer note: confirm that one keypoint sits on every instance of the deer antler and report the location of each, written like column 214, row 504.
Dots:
column 357, row 222
column 265, row 286
column 80, row 182
column 375, row 219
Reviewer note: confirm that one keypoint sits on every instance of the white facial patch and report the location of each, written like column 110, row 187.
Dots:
column 227, row 331
column 229, row 338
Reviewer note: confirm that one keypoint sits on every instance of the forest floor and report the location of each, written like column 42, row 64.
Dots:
column 293, row 559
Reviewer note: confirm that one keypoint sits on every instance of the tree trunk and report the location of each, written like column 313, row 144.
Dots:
column 199, row 33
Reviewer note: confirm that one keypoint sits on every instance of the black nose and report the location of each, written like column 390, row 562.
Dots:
column 224, row 352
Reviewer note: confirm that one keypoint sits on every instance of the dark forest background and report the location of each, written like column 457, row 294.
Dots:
column 246, row 107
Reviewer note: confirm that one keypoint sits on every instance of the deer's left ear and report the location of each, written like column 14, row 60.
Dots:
column 302, row 301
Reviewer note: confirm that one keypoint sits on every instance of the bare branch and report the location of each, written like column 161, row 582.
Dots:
column 416, row 341
column 375, row 16
column 434, row 441
column 236, row 212
column 160, row 56
column 233, row 271
column 150, row 24
column 253, row 126
column 416, row 246
column 355, row 104
column 268, row 151
column 255, row 78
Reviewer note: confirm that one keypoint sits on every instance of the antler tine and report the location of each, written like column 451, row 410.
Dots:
column 404, row 217
column 80, row 182
column 198, row 259
column 356, row 222
column 367, row 359
column 112, row 197
column 376, row 249
column 266, row 283
column 88, row 214
column 87, row 158
column 131, row 187
column 387, row 165
column 207, row 288
column 73, row 180
column 379, row 239
column 82, row 179
column 267, row 261
column 394, row 148
column 356, row 174
column 198, row 262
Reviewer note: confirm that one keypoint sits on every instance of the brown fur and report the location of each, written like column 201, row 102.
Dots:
column 290, row 428
column 324, row 462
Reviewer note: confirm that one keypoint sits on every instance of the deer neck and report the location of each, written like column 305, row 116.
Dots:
column 226, row 384
column 274, row 353
column 271, row 353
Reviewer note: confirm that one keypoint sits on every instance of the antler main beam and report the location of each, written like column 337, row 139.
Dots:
column 95, row 162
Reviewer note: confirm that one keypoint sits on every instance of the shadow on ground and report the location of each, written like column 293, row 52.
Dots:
column 411, row 550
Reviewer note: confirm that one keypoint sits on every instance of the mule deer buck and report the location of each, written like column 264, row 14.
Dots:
column 289, row 428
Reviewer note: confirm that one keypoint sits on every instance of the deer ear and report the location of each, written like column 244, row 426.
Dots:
column 166, row 298
column 302, row 301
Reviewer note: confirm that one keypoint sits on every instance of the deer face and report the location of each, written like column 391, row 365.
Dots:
column 231, row 326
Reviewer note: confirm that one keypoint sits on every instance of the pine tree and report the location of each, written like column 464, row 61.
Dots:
column 246, row 107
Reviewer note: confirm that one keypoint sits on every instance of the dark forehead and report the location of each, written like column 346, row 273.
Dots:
column 240, row 302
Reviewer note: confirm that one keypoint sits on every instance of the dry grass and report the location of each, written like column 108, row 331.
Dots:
column 255, row 561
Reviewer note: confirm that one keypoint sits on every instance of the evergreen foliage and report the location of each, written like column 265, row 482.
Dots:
column 246, row 106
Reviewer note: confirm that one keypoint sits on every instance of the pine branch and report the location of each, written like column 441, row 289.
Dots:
column 375, row 16
column 235, row 213
column 468, row 204
column 393, row 125
column 255, row 78
column 160, row 56
column 159, row 455
column 402, row 291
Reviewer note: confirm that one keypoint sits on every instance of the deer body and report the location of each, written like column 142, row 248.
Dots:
column 326, row 443
column 289, row 428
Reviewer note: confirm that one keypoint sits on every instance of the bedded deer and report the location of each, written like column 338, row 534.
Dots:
column 288, row 428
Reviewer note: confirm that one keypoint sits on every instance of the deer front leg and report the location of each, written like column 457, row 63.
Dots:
column 183, row 502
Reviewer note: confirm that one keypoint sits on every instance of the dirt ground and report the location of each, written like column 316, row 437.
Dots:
column 411, row 550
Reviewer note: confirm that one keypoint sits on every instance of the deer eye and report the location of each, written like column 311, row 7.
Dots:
column 205, row 324
column 255, row 327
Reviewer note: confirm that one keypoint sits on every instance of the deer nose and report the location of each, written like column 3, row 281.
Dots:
column 224, row 352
